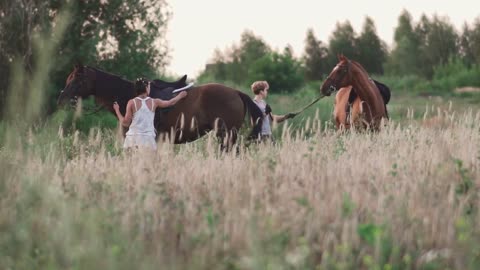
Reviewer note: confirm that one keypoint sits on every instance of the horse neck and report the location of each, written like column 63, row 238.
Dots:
column 109, row 87
column 367, row 91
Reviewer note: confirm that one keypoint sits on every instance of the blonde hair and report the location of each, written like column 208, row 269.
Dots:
column 258, row 86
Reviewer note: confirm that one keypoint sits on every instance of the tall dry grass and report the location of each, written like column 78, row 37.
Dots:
column 405, row 198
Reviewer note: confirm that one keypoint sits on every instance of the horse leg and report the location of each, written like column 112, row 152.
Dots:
column 222, row 134
column 356, row 113
column 342, row 109
column 232, row 136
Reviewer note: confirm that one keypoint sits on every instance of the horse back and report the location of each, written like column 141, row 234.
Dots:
column 206, row 103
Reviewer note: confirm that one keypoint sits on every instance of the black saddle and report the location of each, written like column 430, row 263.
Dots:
column 384, row 91
column 182, row 82
column 163, row 90
column 382, row 88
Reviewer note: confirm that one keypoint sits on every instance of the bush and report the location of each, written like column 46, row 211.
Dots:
column 85, row 122
column 283, row 72
column 102, row 120
column 406, row 84
column 455, row 74
column 2, row 132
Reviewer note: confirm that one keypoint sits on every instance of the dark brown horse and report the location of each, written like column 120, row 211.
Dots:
column 350, row 73
column 206, row 107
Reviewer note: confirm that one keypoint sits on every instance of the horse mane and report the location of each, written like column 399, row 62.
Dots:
column 363, row 72
column 112, row 85
column 105, row 73
column 360, row 67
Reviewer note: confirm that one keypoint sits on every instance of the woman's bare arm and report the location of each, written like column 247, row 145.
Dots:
column 160, row 103
column 127, row 120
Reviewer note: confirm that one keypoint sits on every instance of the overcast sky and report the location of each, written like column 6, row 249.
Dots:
column 197, row 27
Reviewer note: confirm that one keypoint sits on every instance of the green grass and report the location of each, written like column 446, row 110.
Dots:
column 318, row 201
column 402, row 198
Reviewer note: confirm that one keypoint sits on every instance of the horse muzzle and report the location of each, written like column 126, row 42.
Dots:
column 73, row 101
column 332, row 89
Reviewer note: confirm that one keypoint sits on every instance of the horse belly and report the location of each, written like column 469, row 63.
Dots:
column 202, row 112
column 187, row 122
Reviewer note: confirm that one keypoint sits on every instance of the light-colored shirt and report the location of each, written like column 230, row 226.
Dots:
column 266, row 128
column 142, row 121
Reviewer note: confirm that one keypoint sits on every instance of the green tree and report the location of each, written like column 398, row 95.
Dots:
column 438, row 43
column 283, row 72
column 137, row 30
column 470, row 43
column 20, row 23
column 217, row 69
column 403, row 59
column 125, row 37
column 234, row 63
column 405, row 27
column 465, row 42
column 251, row 49
column 315, row 57
column 372, row 52
column 342, row 41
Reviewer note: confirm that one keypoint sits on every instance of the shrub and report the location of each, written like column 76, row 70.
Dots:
column 455, row 74
column 283, row 72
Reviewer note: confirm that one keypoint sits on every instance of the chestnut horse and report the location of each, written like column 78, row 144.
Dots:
column 345, row 113
column 205, row 108
column 370, row 105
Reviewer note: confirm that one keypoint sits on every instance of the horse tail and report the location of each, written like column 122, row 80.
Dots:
column 256, row 115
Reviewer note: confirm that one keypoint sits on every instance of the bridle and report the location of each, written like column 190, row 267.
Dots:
column 79, row 85
column 334, row 83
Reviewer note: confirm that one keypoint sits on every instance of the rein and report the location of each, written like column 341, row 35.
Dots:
column 334, row 84
column 306, row 107
column 99, row 108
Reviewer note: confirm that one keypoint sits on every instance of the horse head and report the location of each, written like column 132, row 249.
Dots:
column 80, row 83
column 338, row 78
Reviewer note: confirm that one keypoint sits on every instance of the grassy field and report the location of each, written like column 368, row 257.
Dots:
column 405, row 198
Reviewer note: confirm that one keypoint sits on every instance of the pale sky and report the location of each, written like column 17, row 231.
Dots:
column 197, row 27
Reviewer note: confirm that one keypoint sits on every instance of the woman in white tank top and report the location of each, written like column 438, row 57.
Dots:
column 140, row 114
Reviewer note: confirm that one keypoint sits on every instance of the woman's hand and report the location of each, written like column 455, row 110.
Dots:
column 182, row 94
column 290, row 115
column 116, row 107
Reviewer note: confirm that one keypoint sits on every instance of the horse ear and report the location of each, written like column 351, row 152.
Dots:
column 79, row 68
column 341, row 57
column 78, row 63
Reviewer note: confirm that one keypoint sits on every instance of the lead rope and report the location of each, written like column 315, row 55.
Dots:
column 306, row 107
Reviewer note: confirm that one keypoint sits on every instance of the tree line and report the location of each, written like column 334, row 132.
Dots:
column 123, row 37
column 419, row 49
column 128, row 37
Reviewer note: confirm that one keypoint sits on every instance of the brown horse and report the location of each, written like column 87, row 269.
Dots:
column 206, row 107
column 350, row 73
